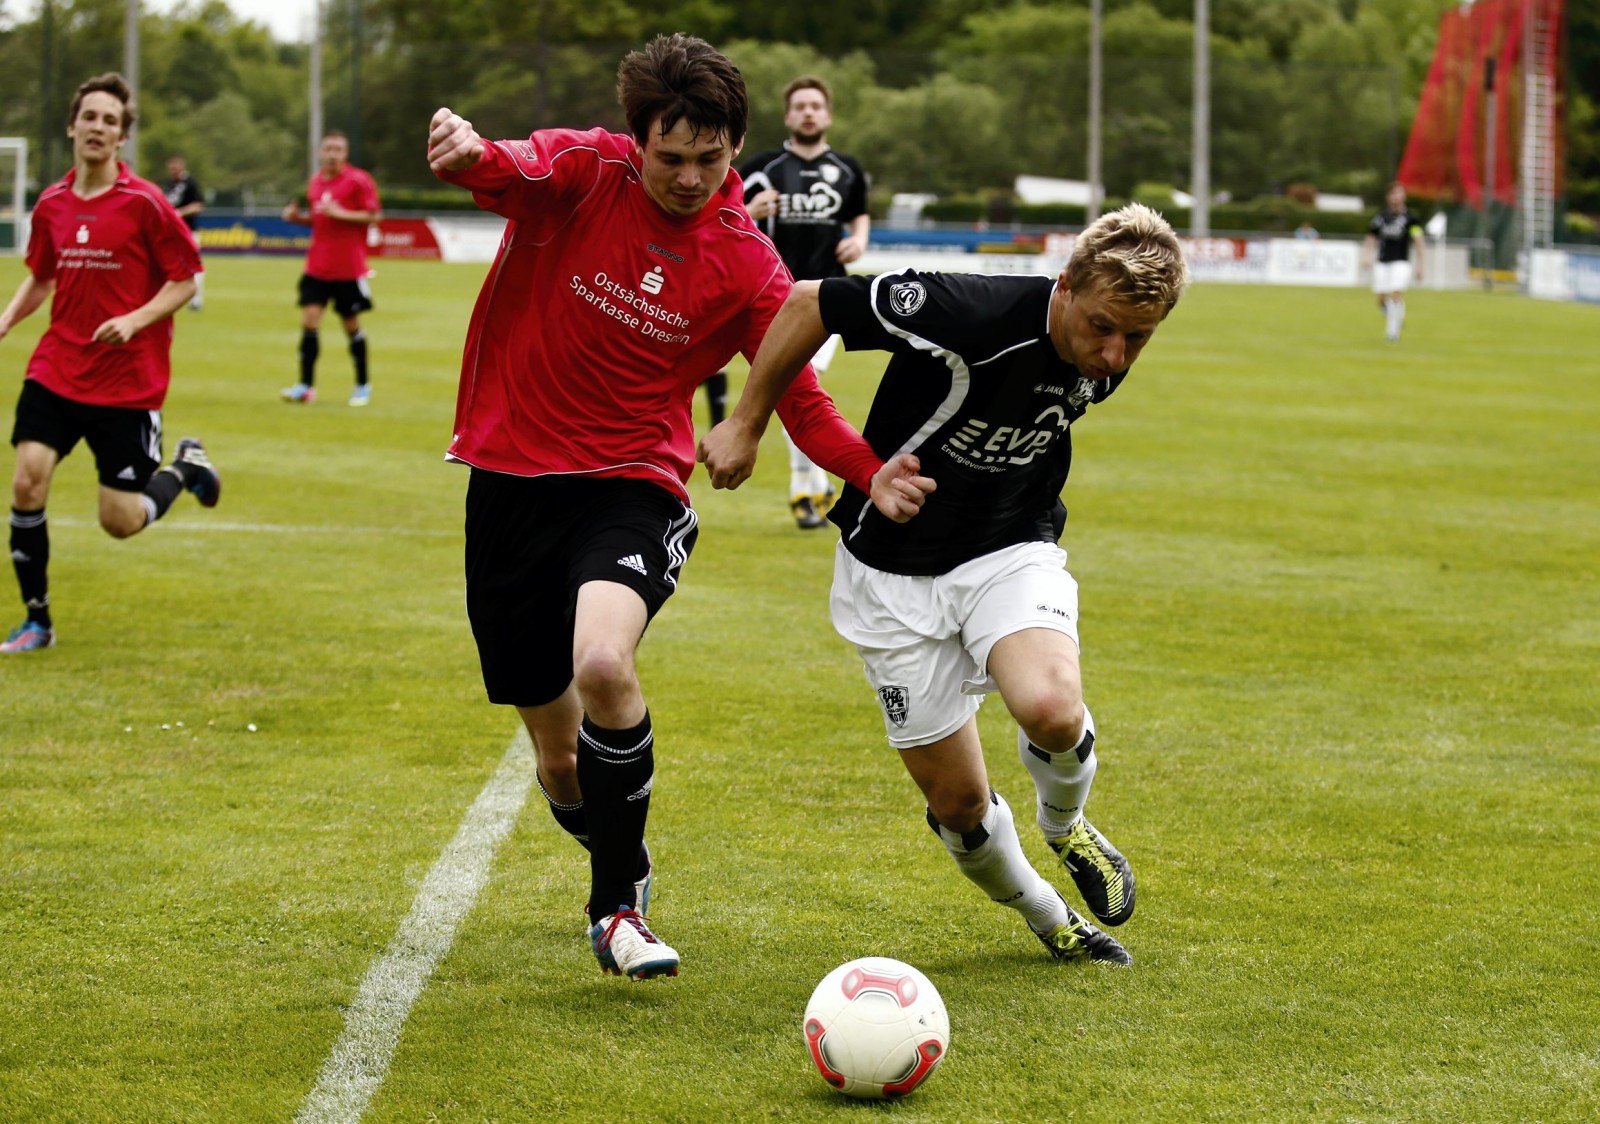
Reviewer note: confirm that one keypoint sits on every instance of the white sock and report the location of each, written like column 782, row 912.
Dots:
column 1393, row 311
column 991, row 856
column 1062, row 780
column 1399, row 317
column 800, row 470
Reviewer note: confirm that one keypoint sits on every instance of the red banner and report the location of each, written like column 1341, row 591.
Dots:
column 402, row 238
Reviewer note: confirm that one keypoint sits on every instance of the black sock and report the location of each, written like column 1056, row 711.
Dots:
column 310, row 345
column 30, row 555
column 165, row 487
column 717, row 396
column 615, row 770
column 358, row 352
column 570, row 817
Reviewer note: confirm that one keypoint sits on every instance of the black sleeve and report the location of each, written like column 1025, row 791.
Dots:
column 756, row 167
column 846, row 306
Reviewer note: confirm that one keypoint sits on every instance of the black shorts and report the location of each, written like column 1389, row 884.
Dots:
column 126, row 442
column 532, row 542
column 349, row 298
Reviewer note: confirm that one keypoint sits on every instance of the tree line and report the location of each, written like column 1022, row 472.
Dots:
column 942, row 96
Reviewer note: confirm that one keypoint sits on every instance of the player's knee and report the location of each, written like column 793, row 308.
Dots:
column 603, row 673
column 29, row 490
column 1053, row 723
column 122, row 523
column 959, row 808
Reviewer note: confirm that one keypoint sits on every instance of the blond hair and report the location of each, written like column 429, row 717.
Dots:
column 1130, row 255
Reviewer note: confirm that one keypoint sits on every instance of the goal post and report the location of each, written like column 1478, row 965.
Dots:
column 13, row 195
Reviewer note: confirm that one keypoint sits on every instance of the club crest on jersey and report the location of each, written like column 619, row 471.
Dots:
column 830, row 173
column 907, row 297
column 896, row 702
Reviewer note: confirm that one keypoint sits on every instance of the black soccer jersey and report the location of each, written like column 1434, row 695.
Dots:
column 1394, row 230
column 182, row 192
column 977, row 390
column 816, row 199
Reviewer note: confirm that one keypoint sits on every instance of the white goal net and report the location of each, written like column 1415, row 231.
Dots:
column 13, row 195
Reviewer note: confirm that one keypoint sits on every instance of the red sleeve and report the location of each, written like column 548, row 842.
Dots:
column 369, row 194
column 41, row 254
column 805, row 408
column 172, row 245
column 519, row 179
column 822, row 433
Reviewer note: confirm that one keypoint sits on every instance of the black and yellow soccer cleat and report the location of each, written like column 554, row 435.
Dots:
column 1098, row 869
column 1077, row 939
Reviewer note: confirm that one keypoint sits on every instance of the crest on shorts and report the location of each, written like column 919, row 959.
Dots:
column 907, row 297
column 895, row 702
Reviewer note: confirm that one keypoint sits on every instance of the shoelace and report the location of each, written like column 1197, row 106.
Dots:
column 617, row 918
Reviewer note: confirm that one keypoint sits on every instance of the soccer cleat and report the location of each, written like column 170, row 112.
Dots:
column 361, row 395
column 823, row 503
column 206, row 485
column 805, row 512
column 641, row 888
column 1098, row 869
column 625, row 946
column 29, row 636
column 1076, row 939
column 300, row 392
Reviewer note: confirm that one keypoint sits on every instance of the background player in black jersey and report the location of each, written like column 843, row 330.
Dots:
column 812, row 203
column 183, row 192
column 1393, row 232
column 988, row 374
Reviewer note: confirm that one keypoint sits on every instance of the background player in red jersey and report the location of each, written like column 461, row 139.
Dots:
column 628, row 273
column 120, row 262
column 344, row 202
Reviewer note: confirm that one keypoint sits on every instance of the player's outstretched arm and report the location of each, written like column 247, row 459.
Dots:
column 453, row 144
column 28, row 297
column 729, row 450
column 898, row 488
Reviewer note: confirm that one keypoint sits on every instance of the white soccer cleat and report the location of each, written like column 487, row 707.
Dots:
column 624, row 945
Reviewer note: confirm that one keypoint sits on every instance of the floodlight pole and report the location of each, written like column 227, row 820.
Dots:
column 130, row 71
column 1200, row 215
column 1489, row 154
column 1096, row 189
column 314, row 97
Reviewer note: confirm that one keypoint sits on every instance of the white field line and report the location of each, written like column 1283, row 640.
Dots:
column 361, row 1056
column 170, row 525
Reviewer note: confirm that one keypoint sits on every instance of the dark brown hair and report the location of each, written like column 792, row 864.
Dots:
column 110, row 83
column 807, row 82
column 678, row 77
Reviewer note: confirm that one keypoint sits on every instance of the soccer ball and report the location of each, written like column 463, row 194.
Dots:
column 876, row 1028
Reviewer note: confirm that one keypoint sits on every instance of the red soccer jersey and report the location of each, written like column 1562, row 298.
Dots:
column 602, row 314
column 107, row 256
column 339, row 247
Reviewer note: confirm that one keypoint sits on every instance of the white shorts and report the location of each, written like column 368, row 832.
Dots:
column 1391, row 276
column 824, row 355
column 925, row 641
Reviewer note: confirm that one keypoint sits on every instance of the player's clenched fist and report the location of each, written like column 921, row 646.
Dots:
column 453, row 144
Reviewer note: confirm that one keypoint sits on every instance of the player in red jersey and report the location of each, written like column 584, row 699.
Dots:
column 628, row 273
column 120, row 262
column 343, row 202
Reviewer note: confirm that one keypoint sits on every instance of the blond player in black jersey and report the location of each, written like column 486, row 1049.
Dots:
column 973, row 596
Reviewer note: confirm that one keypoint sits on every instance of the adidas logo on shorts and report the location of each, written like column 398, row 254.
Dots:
column 633, row 562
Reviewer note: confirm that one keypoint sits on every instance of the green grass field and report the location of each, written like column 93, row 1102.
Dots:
column 1341, row 627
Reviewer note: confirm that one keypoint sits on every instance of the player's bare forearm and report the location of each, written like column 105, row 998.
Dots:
column 28, row 297
column 168, row 299
column 791, row 340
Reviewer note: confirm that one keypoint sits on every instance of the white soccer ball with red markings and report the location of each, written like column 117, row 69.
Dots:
column 876, row 1028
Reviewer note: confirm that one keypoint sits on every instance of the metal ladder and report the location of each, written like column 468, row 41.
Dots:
column 1539, row 142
